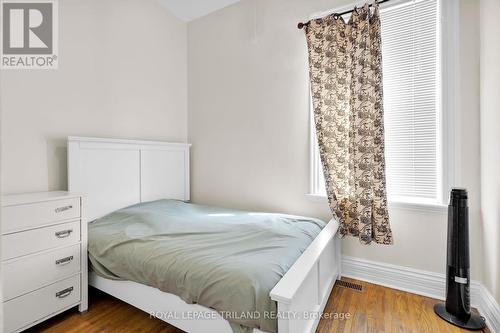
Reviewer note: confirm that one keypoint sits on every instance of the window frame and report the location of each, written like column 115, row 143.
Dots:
column 448, row 12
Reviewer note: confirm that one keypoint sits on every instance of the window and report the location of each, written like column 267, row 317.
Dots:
column 412, row 105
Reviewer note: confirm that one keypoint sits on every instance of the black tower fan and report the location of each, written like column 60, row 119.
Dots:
column 456, row 310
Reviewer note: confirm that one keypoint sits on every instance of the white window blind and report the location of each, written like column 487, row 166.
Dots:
column 410, row 80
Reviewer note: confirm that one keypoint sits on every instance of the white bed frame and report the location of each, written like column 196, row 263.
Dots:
column 115, row 173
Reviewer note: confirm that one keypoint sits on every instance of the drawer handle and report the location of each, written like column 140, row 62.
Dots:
column 64, row 293
column 64, row 233
column 62, row 209
column 64, row 261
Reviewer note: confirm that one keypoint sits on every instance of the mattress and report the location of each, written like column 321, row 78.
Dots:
column 226, row 260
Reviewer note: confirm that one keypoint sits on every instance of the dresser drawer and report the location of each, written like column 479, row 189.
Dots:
column 31, row 241
column 35, row 306
column 18, row 277
column 22, row 217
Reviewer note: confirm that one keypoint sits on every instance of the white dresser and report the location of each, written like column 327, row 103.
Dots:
column 44, row 257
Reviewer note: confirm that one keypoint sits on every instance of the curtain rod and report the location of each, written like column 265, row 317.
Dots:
column 302, row 24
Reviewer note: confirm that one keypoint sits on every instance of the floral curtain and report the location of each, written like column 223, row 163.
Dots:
column 346, row 80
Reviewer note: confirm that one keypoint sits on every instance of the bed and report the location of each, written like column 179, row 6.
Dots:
column 147, row 177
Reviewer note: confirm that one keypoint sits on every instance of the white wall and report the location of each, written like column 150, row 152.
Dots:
column 490, row 137
column 122, row 73
column 249, row 124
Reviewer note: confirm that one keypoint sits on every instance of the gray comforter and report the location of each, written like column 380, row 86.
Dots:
column 223, row 259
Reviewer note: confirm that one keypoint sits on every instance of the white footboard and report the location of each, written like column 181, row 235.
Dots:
column 304, row 290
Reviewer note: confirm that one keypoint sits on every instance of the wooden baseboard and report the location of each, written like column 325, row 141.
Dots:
column 420, row 282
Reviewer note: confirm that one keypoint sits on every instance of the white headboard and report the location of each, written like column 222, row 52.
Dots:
column 115, row 173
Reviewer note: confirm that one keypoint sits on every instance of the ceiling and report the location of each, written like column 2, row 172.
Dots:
column 188, row 10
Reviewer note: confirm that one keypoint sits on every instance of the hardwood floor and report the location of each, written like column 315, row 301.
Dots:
column 375, row 309
column 381, row 309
